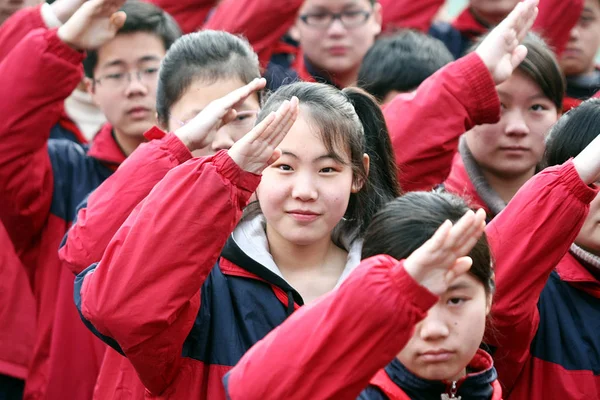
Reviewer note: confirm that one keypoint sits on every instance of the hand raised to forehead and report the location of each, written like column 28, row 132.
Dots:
column 258, row 149
column 444, row 257
column 501, row 50
column 93, row 24
column 587, row 163
column 200, row 130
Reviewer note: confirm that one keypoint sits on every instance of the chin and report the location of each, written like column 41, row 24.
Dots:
column 442, row 372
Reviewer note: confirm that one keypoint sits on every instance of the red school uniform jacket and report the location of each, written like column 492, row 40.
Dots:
column 41, row 182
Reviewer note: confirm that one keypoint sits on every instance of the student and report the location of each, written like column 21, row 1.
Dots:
column 198, row 70
column 495, row 160
column 547, row 319
column 554, row 23
column 332, row 348
column 299, row 241
column 42, row 180
column 400, row 63
column 578, row 61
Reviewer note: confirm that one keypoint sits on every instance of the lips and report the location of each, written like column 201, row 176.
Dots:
column 437, row 355
column 138, row 112
column 338, row 50
column 303, row 215
column 514, row 148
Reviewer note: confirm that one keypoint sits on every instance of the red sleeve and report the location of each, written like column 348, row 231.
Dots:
column 101, row 216
column 409, row 14
column 425, row 125
column 555, row 20
column 189, row 14
column 262, row 22
column 37, row 76
column 14, row 29
column 145, row 292
column 528, row 239
column 333, row 347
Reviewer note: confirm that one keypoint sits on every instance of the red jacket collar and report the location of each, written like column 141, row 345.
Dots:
column 573, row 272
column 481, row 362
column 105, row 148
column 459, row 183
column 468, row 25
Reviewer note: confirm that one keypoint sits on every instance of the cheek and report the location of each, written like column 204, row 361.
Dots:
column 271, row 192
column 482, row 139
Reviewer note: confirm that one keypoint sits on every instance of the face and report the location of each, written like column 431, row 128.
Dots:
column 514, row 146
column 336, row 48
column 579, row 56
column 128, row 101
column 9, row 7
column 198, row 96
column 589, row 235
column 446, row 341
column 493, row 11
column 305, row 193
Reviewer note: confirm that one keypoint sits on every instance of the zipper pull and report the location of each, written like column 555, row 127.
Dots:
column 452, row 393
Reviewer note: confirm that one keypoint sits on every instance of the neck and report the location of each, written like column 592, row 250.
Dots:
column 488, row 20
column 346, row 79
column 290, row 257
column 128, row 143
column 506, row 187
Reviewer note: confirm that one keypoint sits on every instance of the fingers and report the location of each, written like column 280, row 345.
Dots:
column 461, row 266
column 518, row 55
column 241, row 94
column 285, row 123
column 117, row 20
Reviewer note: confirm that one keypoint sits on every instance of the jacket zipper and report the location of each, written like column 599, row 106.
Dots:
column 451, row 393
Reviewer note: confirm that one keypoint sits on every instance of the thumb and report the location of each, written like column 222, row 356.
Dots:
column 117, row 20
column 461, row 266
column 274, row 157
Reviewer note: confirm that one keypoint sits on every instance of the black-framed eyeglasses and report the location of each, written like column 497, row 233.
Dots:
column 147, row 76
column 323, row 20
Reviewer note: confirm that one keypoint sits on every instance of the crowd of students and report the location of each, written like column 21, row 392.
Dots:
column 303, row 199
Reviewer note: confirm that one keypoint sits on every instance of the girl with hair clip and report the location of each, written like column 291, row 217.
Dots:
column 183, row 292
column 424, row 303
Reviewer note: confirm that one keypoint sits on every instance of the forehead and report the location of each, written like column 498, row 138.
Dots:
column 130, row 49
column 519, row 85
column 304, row 138
column 334, row 4
column 591, row 6
column 200, row 93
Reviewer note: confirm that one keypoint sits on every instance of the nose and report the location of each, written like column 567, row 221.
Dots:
column 515, row 124
column 434, row 326
column 574, row 34
column 222, row 141
column 305, row 188
column 336, row 28
column 135, row 86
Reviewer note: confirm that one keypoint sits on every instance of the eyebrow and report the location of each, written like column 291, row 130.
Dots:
column 317, row 159
column 458, row 286
column 533, row 96
column 119, row 62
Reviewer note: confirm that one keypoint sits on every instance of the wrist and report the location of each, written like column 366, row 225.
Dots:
column 66, row 37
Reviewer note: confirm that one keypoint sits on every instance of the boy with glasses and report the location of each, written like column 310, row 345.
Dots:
column 42, row 180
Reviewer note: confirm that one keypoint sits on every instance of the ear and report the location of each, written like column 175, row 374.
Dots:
column 90, row 87
column 356, row 186
column 378, row 18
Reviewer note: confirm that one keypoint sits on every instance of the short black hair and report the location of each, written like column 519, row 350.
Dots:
column 401, row 62
column 141, row 17
column 572, row 132
column 208, row 56
column 406, row 223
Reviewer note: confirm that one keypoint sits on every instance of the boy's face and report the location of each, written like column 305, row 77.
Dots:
column 493, row 11
column 580, row 54
column 337, row 47
column 125, row 80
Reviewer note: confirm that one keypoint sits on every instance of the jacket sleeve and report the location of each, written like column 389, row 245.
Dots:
column 37, row 76
column 15, row 28
column 555, row 20
column 425, row 125
column 189, row 14
column 100, row 216
column 262, row 22
column 333, row 347
column 528, row 239
column 407, row 14
column 143, row 296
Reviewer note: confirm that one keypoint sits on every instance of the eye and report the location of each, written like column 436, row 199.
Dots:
column 328, row 170
column 538, row 107
column 502, row 106
column 456, row 301
column 150, row 71
column 284, row 167
column 115, row 77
